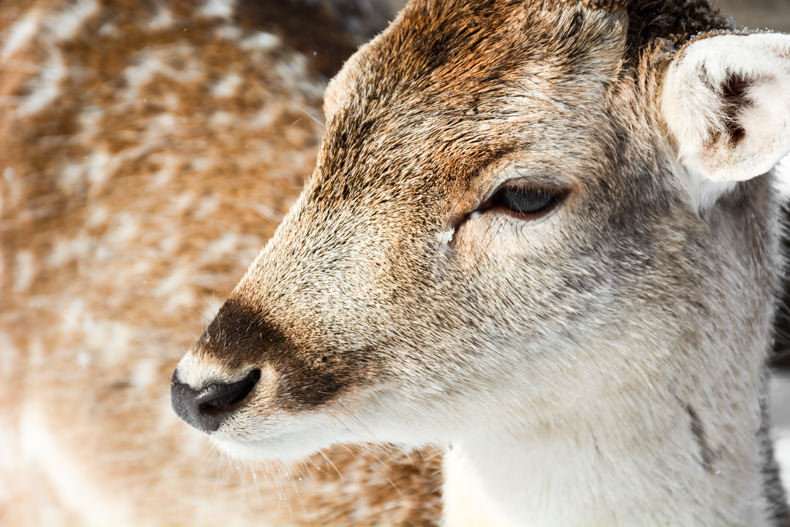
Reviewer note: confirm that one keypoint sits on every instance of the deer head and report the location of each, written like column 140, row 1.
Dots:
column 526, row 218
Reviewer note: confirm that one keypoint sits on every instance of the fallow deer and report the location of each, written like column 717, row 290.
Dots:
column 544, row 235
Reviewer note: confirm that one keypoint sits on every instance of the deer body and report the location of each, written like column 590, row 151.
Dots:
column 143, row 163
column 539, row 232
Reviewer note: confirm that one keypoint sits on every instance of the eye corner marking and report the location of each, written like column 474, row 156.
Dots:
column 446, row 236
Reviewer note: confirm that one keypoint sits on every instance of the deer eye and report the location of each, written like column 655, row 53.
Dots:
column 525, row 202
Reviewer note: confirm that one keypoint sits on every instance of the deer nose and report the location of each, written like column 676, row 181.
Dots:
column 206, row 409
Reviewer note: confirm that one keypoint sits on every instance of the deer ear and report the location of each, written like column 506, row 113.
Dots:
column 726, row 101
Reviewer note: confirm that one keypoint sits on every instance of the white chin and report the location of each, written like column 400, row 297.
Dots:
column 267, row 449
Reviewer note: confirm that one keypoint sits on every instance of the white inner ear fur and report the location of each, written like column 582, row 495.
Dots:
column 726, row 101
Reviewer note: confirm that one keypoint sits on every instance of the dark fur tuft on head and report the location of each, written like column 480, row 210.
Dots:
column 674, row 20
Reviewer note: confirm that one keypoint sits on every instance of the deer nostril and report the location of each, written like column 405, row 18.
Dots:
column 222, row 397
column 206, row 409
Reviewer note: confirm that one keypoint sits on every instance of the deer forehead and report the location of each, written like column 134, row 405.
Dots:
column 447, row 89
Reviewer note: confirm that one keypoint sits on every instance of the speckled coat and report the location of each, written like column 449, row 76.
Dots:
column 147, row 151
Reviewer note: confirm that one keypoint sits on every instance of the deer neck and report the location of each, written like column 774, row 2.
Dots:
column 666, row 454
